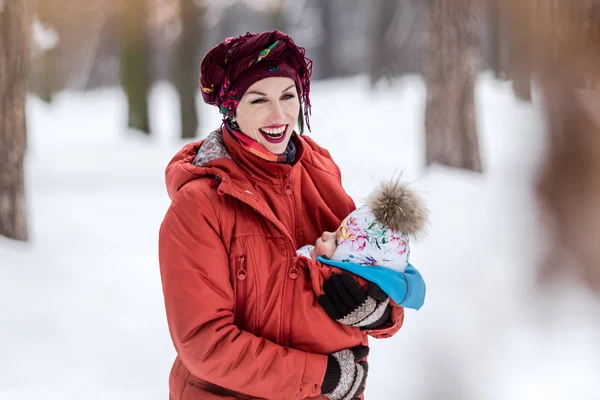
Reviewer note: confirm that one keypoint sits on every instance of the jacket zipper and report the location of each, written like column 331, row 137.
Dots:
column 240, row 293
column 292, row 274
column 284, row 330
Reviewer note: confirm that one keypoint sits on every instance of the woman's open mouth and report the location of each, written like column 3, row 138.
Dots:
column 274, row 134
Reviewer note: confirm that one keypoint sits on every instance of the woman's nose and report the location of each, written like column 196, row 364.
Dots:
column 277, row 114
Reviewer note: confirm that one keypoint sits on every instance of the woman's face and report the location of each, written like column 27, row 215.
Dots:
column 268, row 112
column 326, row 244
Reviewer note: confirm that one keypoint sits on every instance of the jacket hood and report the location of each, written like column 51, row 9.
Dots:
column 180, row 169
column 191, row 162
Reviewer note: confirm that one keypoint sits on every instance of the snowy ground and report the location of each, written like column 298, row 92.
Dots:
column 82, row 314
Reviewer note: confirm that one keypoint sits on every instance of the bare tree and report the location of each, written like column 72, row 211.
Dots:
column 135, row 61
column 379, row 58
column 187, row 66
column 46, row 12
column 326, row 64
column 451, row 57
column 567, row 61
column 278, row 16
column 15, row 38
column 520, row 51
column 495, row 29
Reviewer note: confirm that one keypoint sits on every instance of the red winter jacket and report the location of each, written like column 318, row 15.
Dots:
column 241, row 310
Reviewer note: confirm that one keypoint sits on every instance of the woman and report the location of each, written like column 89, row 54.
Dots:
column 241, row 313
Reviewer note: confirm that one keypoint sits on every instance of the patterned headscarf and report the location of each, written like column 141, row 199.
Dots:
column 231, row 67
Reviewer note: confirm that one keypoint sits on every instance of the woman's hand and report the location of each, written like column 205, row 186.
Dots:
column 345, row 301
column 346, row 374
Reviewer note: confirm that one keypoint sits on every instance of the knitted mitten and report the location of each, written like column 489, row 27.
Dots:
column 346, row 375
column 346, row 302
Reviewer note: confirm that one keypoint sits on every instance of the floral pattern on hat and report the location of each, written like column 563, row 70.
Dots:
column 365, row 241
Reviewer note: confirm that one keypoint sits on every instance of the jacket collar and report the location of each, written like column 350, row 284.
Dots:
column 256, row 167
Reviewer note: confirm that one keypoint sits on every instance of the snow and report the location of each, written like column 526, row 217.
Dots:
column 82, row 315
column 44, row 37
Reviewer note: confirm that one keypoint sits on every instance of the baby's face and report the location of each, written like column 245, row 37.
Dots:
column 326, row 244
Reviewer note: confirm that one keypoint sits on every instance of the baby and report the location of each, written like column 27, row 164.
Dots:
column 377, row 233
column 373, row 242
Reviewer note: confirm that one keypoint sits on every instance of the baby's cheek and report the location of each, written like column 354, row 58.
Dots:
column 331, row 250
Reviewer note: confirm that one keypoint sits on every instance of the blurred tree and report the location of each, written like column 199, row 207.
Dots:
column 186, row 68
column 379, row 56
column 566, row 53
column 395, row 46
column 495, row 42
column 46, row 11
column 519, row 50
column 48, row 78
column 326, row 65
column 15, row 39
column 451, row 57
column 135, row 61
column 278, row 15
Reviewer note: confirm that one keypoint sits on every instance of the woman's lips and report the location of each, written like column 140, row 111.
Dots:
column 271, row 138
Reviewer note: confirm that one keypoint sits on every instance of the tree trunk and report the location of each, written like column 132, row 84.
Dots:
column 520, row 51
column 48, row 78
column 135, row 63
column 278, row 17
column 496, row 42
column 186, row 72
column 46, row 84
column 566, row 56
column 379, row 55
column 568, row 185
column 326, row 64
column 451, row 58
column 15, row 35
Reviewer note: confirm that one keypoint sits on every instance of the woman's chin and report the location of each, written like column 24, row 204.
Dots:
column 278, row 148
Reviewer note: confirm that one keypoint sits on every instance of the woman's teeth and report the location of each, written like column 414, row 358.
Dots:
column 275, row 133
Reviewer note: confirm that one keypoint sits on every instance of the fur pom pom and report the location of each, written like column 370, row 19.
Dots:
column 399, row 207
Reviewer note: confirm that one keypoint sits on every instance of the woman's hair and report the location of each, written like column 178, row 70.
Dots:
column 301, row 121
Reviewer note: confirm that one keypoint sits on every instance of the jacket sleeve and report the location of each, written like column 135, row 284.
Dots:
column 320, row 272
column 199, row 301
column 415, row 297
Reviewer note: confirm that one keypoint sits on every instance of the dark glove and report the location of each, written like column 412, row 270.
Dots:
column 346, row 374
column 346, row 302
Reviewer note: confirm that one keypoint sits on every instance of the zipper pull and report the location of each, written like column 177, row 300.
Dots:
column 293, row 272
column 288, row 185
column 241, row 272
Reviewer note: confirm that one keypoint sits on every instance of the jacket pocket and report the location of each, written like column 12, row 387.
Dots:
column 203, row 386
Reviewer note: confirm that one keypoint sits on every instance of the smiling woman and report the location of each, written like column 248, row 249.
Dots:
column 242, row 314
column 268, row 113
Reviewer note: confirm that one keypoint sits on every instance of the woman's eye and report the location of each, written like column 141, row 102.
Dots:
column 288, row 96
column 257, row 101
